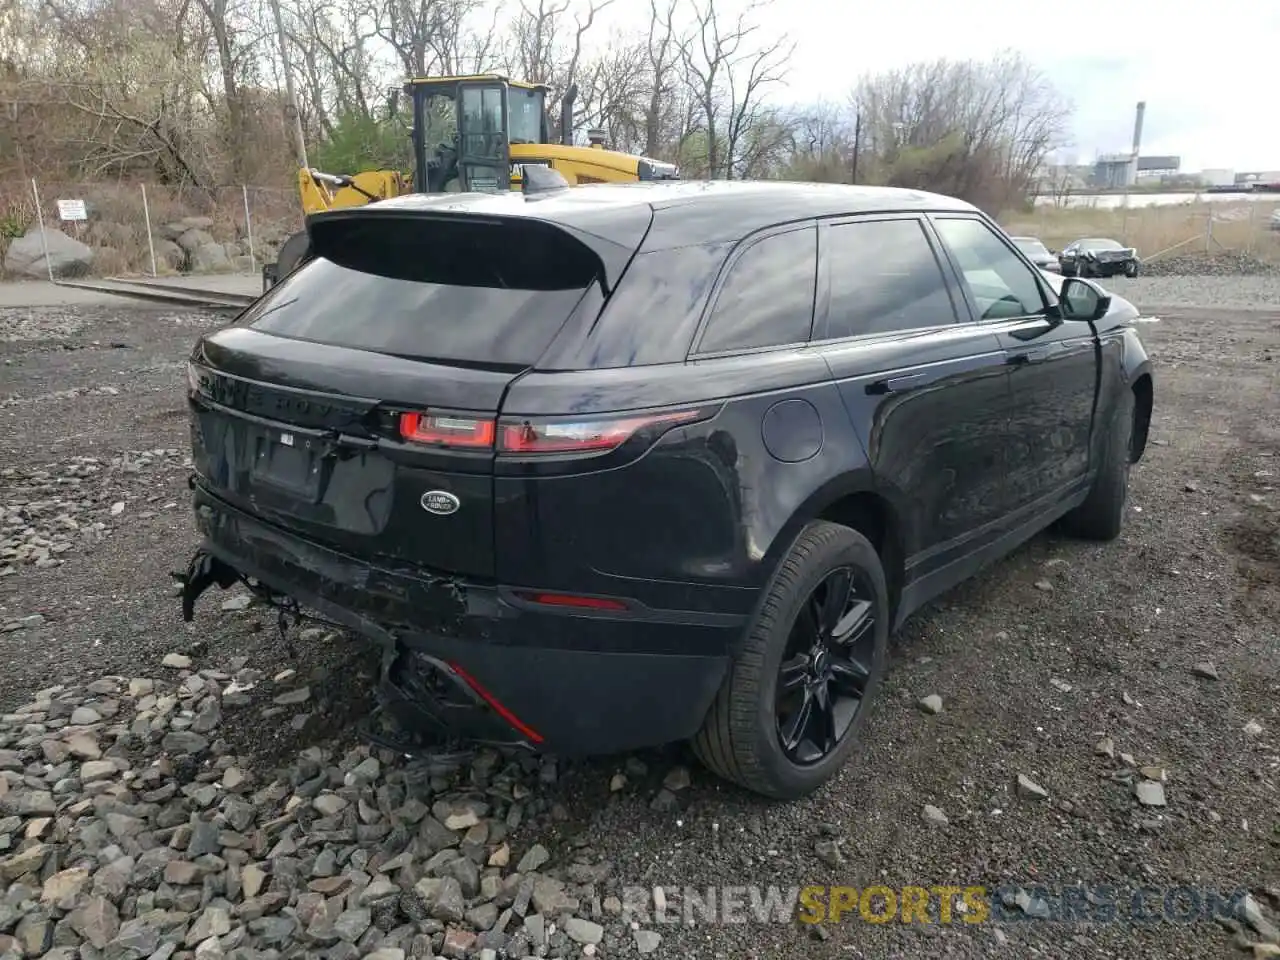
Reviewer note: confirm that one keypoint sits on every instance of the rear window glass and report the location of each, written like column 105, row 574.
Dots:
column 767, row 299
column 501, row 305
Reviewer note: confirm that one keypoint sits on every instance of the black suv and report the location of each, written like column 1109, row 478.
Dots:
column 621, row 465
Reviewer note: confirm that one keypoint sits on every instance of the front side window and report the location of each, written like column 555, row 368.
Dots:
column 1001, row 285
column 767, row 298
column 883, row 277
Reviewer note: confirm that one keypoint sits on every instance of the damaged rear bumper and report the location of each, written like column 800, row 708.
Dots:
column 470, row 660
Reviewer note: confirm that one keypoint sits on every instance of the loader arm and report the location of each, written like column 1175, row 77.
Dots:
column 326, row 191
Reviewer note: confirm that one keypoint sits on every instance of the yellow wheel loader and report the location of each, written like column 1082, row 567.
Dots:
column 473, row 133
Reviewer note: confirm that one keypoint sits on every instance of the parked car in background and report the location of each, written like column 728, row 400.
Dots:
column 1097, row 257
column 674, row 471
column 1275, row 220
column 1038, row 253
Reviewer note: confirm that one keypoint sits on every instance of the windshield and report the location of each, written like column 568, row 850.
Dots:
column 1100, row 245
column 526, row 108
column 1032, row 248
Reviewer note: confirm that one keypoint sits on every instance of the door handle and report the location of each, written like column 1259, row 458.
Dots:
column 1038, row 355
column 896, row 384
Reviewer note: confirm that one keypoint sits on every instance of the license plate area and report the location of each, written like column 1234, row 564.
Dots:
column 287, row 462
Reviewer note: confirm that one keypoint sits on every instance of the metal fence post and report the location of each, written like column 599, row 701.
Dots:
column 146, row 215
column 44, row 240
column 248, row 226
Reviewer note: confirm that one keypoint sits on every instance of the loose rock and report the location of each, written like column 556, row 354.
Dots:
column 1029, row 789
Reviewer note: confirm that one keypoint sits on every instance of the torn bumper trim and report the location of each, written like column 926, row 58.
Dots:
column 453, row 649
column 203, row 571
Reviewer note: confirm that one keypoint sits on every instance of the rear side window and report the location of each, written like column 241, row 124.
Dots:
column 883, row 277
column 402, row 290
column 767, row 298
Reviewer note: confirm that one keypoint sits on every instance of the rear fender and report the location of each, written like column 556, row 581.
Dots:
column 817, row 504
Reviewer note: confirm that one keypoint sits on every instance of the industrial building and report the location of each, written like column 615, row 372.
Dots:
column 1114, row 171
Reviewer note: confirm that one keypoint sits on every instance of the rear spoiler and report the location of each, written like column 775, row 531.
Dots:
column 466, row 248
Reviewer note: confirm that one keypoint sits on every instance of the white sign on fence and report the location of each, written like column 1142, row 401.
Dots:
column 72, row 210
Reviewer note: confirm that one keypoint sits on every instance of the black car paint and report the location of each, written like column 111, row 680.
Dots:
column 964, row 437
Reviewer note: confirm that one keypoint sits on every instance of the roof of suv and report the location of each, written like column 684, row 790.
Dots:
column 684, row 212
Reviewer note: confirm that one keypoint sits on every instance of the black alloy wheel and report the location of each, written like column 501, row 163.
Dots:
column 826, row 666
column 801, row 684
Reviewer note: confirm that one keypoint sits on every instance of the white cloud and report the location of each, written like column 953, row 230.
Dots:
column 1210, row 91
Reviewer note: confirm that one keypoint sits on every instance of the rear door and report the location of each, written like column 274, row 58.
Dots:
column 928, row 395
column 356, row 402
column 1053, row 365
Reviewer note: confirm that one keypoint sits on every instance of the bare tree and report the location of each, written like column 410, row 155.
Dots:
column 427, row 35
column 727, row 67
column 979, row 130
column 662, row 50
column 548, row 45
column 188, row 92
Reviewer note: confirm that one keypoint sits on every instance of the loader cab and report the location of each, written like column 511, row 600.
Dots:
column 463, row 128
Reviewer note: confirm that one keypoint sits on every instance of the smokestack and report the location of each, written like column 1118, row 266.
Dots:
column 566, row 114
column 1137, row 126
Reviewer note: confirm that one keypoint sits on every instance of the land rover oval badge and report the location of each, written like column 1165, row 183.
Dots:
column 440, row 502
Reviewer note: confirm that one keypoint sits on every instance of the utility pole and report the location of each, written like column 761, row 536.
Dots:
column 857, row 143
column 300, row 143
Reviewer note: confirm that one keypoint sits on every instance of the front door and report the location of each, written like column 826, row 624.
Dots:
column 484, row 153
column 1052, row 364
column 927, row 393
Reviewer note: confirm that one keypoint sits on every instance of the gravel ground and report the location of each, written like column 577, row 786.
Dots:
column 171, row 789
column 1230, row 293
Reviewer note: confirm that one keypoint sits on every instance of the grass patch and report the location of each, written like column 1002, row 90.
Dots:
column 1189, row 227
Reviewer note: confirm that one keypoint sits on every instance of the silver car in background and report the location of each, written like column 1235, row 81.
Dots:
column 1038, row 253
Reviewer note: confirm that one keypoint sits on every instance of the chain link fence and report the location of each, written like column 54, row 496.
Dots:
column 1242, row 228
column 139, row 229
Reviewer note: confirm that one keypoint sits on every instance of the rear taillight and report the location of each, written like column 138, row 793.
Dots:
column 447, row 430
column 529, row 436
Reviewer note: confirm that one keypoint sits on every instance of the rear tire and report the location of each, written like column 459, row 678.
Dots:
column 1101, row 516
column 1132, row 270
column 1068, row 271
column 742, row 736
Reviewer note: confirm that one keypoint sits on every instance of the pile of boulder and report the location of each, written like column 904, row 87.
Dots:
column 183, row 246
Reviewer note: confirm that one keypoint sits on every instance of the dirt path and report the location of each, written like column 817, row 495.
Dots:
column 1036, row 661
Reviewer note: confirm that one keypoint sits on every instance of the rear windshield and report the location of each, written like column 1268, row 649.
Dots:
column 1100, row 245
column 502, row 305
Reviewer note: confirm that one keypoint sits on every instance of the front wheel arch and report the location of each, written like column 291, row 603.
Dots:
column 1143, row 404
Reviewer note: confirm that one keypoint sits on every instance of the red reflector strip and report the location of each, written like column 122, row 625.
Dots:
column 571, row 600
column 447, row 430
column 498, row 708
column 582, row 436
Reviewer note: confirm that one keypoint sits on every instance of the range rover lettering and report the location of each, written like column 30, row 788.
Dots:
column 622, row 465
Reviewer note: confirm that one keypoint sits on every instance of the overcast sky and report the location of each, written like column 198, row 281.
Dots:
column 1211, row 91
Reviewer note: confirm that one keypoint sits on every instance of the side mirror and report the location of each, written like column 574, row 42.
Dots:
column 1083, row 300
